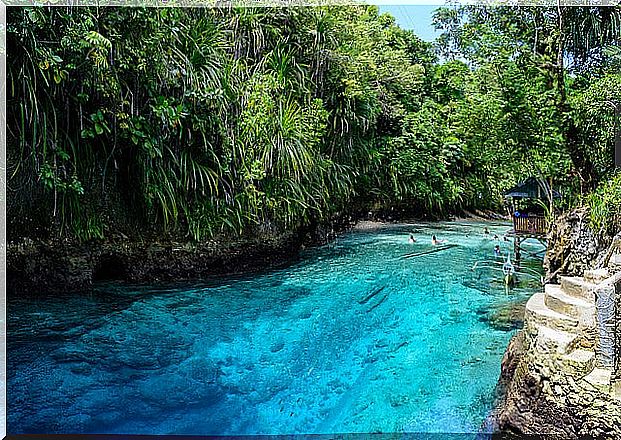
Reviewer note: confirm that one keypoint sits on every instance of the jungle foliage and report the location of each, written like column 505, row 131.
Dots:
column 195, row 122
column 605, row 206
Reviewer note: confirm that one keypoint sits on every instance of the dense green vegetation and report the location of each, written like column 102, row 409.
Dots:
column 605, row 206
column 192, row 122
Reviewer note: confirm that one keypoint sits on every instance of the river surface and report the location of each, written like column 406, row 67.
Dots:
column 353, row 338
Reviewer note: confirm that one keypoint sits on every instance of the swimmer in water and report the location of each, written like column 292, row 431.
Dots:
column 497, row 250
column 435, row 241
column 411, row 239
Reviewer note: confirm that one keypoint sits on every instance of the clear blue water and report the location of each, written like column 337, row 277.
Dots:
column 352, row 338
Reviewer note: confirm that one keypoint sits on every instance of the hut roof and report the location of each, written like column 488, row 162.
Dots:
column 531, row 188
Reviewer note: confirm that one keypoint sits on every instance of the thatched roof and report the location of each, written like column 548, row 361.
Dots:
column 532, row 188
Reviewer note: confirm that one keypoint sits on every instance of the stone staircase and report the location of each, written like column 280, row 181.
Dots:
column 562, row 323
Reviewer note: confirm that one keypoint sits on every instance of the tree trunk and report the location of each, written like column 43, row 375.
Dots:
column 581, row 162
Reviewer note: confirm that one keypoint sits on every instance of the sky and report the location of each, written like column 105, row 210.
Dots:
column 414, row 17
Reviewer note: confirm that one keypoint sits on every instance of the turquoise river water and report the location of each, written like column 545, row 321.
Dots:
column 352, row 338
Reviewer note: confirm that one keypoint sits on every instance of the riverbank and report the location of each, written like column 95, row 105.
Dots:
column 43, row 266
column 38, row 266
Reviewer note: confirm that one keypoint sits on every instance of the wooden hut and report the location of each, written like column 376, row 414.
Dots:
column 529, row 200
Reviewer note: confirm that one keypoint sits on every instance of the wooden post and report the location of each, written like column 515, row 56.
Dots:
column 516, row 249
column 551, row 196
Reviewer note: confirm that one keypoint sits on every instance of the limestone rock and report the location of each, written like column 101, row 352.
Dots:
column 35, row 267
column 572, row 245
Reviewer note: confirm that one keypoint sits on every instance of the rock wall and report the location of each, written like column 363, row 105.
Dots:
column 572, row 246
column 544, row 397
column 49, row 265
column 40, row 267
column 552, row 381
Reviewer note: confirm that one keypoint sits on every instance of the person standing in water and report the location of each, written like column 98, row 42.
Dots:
column 486, row 231
column 497, row 250
column 411, row 239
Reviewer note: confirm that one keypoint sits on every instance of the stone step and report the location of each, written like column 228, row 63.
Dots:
column 539, row 313
column 578, row 287
column 548, row 340
column 580, row 362
column 560, row 302
column 596, row 276
column 600, row 379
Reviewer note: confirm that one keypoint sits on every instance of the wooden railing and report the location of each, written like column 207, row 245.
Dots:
column 533, row 224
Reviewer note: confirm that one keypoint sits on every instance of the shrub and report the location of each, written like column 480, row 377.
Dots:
column 605, row 204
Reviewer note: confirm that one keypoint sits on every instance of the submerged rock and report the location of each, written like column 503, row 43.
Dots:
column 506, row 317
